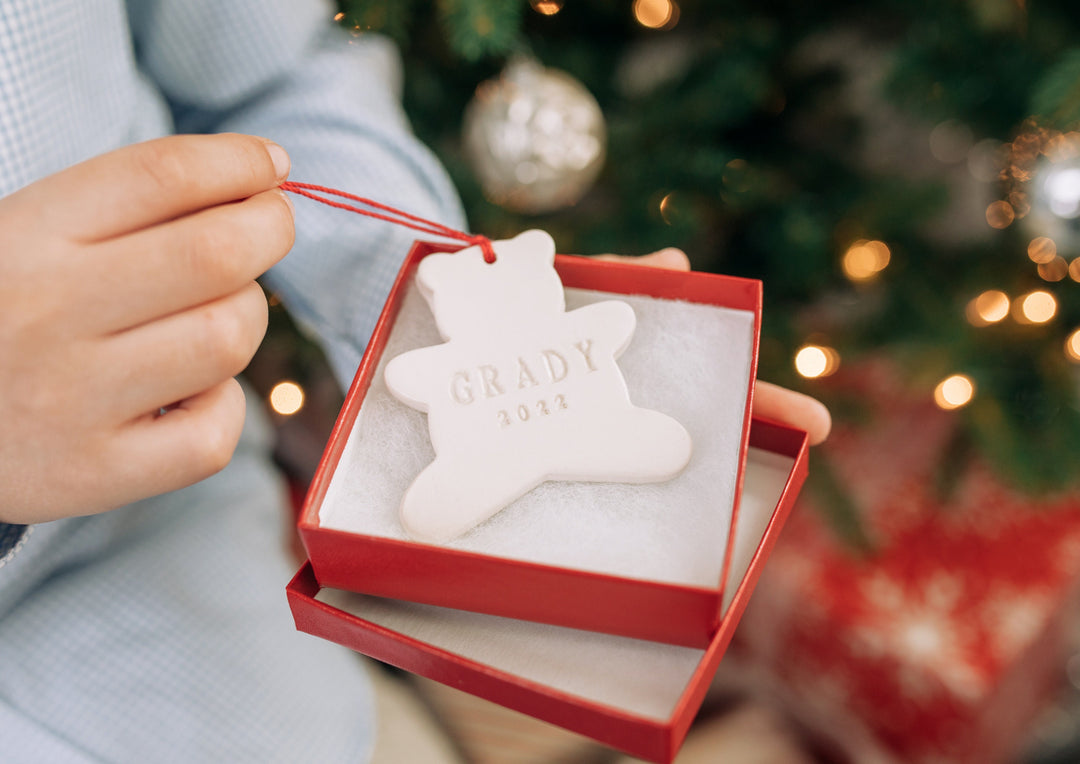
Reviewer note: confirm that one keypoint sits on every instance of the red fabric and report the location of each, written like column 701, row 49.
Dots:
column 918, row 642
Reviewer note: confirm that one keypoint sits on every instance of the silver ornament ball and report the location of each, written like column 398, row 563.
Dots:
column 535, row 137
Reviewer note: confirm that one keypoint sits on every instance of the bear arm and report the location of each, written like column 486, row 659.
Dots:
column 614, row 318
column 410, row 375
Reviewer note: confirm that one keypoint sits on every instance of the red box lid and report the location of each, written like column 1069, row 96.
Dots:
column 467, row 580
column 634, row 695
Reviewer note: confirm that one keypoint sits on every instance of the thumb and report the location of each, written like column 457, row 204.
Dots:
column 670, row 258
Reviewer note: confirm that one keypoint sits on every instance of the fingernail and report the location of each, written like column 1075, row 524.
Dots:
column 280, row 158
column 823, row 425
column 288, row 201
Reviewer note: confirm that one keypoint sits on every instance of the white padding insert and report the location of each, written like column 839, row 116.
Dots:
column 687, row 360
column 632, row 675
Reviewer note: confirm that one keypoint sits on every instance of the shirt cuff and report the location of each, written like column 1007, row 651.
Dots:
column 12, row 538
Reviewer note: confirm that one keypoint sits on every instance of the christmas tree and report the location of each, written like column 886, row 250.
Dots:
column 904, row 177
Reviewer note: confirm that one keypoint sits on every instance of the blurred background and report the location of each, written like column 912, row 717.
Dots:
column 904, row 177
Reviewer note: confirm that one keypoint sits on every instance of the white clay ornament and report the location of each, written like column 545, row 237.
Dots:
column 521, row 391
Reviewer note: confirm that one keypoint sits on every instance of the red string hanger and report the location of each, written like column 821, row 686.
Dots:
column 389, row 214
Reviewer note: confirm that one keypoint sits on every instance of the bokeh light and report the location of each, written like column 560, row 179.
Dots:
column 1062, row 188
column 287, row 398
column 668, row 208
column 1036, row 307
column 813, row 361
column 1042, row 249
column 1074, row 269
column 656, row 14
column 954, row 391
column 1019, row 202
column 1072, row 345
column 546, row 7
column 865, row 259
column 988, row 308
column 1055, row 270
column 1000, row 214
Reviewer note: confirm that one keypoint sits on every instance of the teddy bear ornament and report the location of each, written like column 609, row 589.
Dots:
column 522, row 391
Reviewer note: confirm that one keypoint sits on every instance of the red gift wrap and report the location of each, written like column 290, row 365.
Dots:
column 942, row 642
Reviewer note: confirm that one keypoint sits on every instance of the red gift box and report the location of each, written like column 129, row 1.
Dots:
column 942, row 643
column 632, row 694
column 448, row 576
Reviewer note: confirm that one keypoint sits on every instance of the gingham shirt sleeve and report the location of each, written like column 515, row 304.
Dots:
column 283, row 70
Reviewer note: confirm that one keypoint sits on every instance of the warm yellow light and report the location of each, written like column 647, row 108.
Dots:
column 287, row 398
column 1019, row 202
column 666, row 206
column 547, row 7
column 1055, row 270
column 656, row 14
column 1036, row 307
column 1074, row 269
column 1000, row 214
column 954, row 391
column 813, row 361
column 339, row 16
column 1072, row 345
column 988, row 308
column 1059, row 147
column 865, row 259
column 1042, row 249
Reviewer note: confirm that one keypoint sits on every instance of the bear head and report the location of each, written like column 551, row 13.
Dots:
column 469, row 296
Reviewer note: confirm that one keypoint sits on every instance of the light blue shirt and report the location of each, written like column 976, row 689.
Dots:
column 159, row 631
column 79, row 78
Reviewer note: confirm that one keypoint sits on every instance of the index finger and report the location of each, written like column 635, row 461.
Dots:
column 153, row 182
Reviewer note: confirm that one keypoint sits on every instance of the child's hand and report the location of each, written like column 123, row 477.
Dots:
column 127, row 288
column 770, row 401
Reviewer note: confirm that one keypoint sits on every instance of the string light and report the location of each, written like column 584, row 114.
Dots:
column 954, row 391
column 546, row 7
column 1074, row 269
column 814, row 361
column 988, row 308
column 1036, row 307
column 668, row 208
column 1072, row 345
column 656, row 14
column 1055, row 270
column 287, row 398
column 1018, row 200
column 1042, row 249
column 1000, row 214
column 864, row 259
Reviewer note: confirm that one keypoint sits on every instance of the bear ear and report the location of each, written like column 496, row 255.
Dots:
column 432, row 272
column 535, row 244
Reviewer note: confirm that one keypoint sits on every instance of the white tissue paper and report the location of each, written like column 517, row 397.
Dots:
column 687, row 360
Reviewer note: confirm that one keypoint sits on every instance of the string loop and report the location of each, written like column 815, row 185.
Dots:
column 389, row 214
